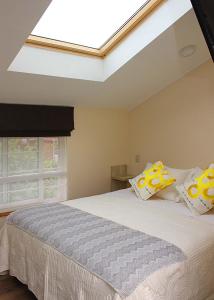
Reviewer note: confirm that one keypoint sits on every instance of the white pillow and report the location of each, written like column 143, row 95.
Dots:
column 170, row 192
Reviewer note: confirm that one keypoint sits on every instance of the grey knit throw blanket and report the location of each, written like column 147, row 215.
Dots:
column 120, row 256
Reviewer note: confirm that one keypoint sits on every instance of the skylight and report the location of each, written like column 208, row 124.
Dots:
column 83, row 22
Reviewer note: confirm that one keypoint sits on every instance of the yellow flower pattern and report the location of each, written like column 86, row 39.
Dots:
column 203, row 186
column 156, row 177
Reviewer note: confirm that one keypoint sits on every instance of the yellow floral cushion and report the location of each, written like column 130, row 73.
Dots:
column 198, row 191
column 151, row 181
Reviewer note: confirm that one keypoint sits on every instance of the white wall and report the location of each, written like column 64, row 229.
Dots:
column 34, row 60
column 161, row 18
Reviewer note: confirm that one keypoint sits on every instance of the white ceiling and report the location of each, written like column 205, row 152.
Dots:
column 151, row 70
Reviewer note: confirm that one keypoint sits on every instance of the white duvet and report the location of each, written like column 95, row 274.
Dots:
column 51, row 276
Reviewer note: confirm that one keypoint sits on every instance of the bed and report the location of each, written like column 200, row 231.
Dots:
column 52, row 276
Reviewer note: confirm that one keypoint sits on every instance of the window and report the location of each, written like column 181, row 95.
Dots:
column 32, row 170
column 88, row 23
column 96, row 25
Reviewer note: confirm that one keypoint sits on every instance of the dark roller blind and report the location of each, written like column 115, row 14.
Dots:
column 20, row 120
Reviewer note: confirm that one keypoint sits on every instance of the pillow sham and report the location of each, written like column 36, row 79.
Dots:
column 170, row 192
column 198, row 190
column 151, row 180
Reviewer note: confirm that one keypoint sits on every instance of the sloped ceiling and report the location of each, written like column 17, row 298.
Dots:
column 154, row 68
column 14, row 15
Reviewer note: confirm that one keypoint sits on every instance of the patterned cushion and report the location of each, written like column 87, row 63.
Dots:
column 170, row 192
column 198, row 190
column 151, row 180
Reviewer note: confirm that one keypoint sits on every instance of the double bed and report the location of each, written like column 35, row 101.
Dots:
column 50, row 275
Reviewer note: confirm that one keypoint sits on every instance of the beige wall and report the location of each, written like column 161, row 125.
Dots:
column 176, row 125
column 98, row 141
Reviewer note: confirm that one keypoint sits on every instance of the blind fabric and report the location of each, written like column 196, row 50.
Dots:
column 21, row 120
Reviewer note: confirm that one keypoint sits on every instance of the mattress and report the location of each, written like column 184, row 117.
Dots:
column 52, row 276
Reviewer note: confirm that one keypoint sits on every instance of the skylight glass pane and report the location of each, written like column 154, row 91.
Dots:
column 89, row 23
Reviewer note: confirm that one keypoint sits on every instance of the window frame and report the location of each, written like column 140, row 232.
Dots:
column 125, row 29
column 42, row 174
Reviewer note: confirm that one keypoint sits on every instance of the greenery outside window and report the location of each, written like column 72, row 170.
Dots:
column 32, row 170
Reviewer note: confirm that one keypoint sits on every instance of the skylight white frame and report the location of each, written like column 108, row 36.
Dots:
column 126, row 28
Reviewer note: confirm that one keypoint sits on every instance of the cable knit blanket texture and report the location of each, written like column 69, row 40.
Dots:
column 120, row 256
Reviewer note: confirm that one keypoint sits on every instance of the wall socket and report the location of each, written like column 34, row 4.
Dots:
column 137, row 158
